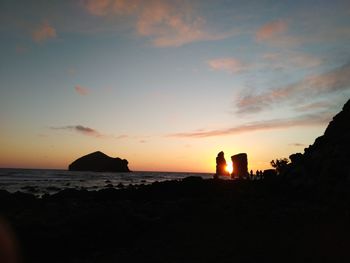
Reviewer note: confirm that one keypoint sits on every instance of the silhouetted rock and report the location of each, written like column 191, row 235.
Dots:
column 269, row 173
column 296, row 158
column 240, row 165
column 327, row 160
column 99, row 162
column 220, row 165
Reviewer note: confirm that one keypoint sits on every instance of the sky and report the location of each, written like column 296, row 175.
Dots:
column 168, row 84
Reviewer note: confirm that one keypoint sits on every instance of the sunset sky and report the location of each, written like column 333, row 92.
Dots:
column 168, row 84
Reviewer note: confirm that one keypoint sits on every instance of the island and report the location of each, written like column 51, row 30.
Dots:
column 99, row 162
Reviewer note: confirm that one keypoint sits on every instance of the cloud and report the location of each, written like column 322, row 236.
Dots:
column 89, row 132
column 80, row 129
column 110, row 7
column 271, row 29
column 81, row 90
column 166, row 23
column 275, row 34
column 230, row 65
column 310, row 87
column 303, row 120
column 43, row 32
column 314, row 106
column 297, row 144
column 289, row 59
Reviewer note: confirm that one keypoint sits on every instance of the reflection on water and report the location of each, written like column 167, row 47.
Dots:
column 39, row 182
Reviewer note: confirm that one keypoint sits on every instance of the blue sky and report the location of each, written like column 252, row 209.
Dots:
column 169, row 84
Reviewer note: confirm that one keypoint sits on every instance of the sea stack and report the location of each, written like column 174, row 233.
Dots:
column 99, row 162
column 240, row 165
column 220, row 165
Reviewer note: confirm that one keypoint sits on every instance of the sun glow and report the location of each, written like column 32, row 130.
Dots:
column 229, row 168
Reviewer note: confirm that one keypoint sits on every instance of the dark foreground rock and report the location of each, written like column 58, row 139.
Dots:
column 327, row 161
column 193, row 220
column 99, row 162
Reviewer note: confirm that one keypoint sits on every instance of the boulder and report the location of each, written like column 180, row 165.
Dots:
column 240, row 165
column 99, row 162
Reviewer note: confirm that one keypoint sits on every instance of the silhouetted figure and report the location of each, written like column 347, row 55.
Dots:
column 251, row 175
column 220, row 165
column 261, row 174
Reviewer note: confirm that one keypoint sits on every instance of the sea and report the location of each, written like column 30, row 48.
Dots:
column 45, row 181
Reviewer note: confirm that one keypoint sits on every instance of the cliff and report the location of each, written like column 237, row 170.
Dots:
column 328, row 159
column 99, row 162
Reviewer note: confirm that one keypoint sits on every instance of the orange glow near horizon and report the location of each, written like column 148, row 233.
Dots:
column 229, row 167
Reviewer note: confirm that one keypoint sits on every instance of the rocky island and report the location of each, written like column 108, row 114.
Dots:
column 99, row 162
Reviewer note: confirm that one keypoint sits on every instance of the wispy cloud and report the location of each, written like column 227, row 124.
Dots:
column 271, row 29
column 275, row 33
column 297, row 144
column 289, row 59
column 303, row 120
column 81, row 90
column 83, row 130
column 314, row 106
column 312, row 87
column 166, row 23
column 108, row 7
column 230, row 65
column 43, row 32
column 80, row 129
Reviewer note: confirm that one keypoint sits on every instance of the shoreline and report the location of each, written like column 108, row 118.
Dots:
column 192, row 220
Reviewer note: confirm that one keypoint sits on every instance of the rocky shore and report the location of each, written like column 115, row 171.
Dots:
column 192, row 220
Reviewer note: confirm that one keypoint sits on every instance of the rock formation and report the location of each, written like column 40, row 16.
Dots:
column 269, row 173
column 240, row 165
column 99, row 162
column 328, row 159
column 220, row 165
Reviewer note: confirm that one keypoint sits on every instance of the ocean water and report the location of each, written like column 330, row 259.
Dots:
column 40, row 181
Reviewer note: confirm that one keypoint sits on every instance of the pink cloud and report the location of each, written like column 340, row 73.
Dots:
column 314, row 106
column 98, row 8
column 303, row 120
column 167, row 23
column 44, row 32
column 230, row 65
column 271, row 29
column 111, row 7
column 81, row 90
column 313, row 86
